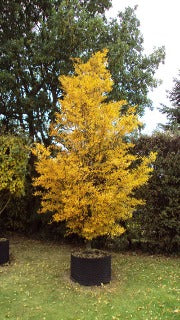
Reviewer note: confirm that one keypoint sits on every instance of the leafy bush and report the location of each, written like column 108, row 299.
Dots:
column 14, row 155
column 156, row 225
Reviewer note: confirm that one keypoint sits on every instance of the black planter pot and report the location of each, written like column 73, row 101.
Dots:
column 4, row 250
column 91, row 271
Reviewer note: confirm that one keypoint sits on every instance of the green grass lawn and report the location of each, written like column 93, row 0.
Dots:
column 36, row 286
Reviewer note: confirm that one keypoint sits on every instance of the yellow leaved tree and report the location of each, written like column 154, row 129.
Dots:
column 14, row 155
column 88, row 177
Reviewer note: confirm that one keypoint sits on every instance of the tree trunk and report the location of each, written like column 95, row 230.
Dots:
column 88, row 244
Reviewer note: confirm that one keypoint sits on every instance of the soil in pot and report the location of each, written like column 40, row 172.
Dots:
column 91, row 267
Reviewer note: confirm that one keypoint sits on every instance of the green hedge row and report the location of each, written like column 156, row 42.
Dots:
column 154, row 227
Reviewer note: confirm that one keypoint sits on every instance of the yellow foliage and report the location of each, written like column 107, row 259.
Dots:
column 88, row 178
column 14, row 155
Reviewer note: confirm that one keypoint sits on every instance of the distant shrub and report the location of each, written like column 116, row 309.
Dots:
column 156, row 225
column 14, row 155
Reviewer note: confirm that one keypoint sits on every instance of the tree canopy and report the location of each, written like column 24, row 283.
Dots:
column 38, row 40
column 88, row 176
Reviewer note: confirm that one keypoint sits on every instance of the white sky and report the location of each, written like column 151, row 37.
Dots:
column 160, row 25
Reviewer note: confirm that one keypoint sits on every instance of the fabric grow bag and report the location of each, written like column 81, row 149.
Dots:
column 4, row 251
column 91, row 271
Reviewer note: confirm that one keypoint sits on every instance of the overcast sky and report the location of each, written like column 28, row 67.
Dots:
column 160, row 25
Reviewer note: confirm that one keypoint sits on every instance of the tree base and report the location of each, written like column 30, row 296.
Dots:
column 91, row 270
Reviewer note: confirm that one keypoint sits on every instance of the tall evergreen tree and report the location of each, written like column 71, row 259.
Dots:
column 173, row 112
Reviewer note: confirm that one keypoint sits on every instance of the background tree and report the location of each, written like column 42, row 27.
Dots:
column 87, row 177
column 173, row 112
column 38, row 39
